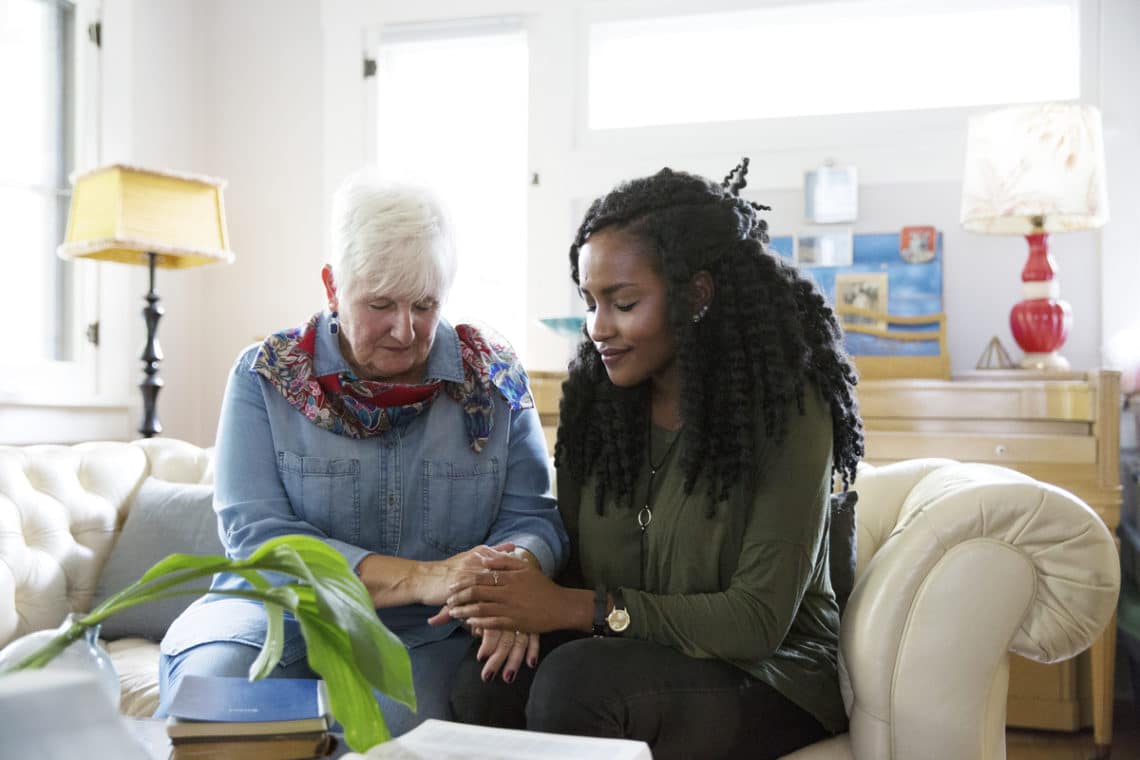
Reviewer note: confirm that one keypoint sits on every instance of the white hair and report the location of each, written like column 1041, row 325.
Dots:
column 390, row 239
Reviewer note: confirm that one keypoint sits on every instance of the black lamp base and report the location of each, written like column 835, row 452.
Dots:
column 151, row 356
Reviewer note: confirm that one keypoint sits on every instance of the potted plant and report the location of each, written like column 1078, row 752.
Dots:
column 347, row 644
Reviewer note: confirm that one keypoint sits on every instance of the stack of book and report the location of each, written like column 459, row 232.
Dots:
column 216, row 718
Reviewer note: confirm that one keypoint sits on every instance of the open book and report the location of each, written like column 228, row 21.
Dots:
column 434, row 739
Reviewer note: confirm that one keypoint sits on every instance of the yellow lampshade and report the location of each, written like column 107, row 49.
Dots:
column 123, row 213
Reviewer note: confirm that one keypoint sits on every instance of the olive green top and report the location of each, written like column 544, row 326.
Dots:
column 749, row 585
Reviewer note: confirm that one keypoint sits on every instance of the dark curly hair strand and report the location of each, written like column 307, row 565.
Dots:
column 767, row 335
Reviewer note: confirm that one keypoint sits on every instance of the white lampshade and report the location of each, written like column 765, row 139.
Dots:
column 1035, row 168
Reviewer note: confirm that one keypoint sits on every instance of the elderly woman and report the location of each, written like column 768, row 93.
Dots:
column 400, row 440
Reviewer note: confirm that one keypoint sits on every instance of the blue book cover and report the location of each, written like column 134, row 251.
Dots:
column 222, row 699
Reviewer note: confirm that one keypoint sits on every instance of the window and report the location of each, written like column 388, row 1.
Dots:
column 37, row 288
column 451, row 113
column 853, row 57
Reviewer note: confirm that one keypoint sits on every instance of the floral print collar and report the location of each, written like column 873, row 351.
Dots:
column 346, row 405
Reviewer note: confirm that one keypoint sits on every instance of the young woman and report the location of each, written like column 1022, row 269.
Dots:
column 700, row 426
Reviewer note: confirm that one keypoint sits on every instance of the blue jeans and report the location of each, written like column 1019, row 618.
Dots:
column 432, row 668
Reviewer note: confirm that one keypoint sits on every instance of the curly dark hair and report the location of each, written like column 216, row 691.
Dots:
column 767, row 335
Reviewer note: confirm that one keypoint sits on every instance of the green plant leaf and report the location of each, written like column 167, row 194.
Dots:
column 347, row 645
column 274, row 644
column 378, row 653
column 179, row 562
column 169, row 572
column 351, row 698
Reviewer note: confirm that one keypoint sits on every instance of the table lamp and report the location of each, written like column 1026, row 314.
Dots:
column 1033, row 170
column 151, row 218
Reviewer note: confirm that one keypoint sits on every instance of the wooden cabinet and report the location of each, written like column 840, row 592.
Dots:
column 1059, row 428
column 547, row 390
column 1062, row 429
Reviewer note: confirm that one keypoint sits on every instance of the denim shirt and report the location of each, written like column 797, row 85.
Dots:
column 418, row 491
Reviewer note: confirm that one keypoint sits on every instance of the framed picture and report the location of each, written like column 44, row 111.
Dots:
column 825, row 249
column 862, row 290
column 917, row 244
column 831, row 194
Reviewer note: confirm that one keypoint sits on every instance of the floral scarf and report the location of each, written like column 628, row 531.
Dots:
column 346, row 405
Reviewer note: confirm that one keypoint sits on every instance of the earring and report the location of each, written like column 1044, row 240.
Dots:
column 700, row 314
column 334, row 325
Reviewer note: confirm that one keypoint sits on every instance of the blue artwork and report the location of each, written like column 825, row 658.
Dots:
column 914, row 289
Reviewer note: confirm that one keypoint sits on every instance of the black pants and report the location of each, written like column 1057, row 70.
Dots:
column 681, row 706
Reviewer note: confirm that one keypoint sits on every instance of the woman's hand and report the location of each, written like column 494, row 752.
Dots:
column 440, row 576
column 394, row 581
column 507, row 650
column 507, row 594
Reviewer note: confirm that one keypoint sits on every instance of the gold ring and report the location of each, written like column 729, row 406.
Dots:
column 495, row 577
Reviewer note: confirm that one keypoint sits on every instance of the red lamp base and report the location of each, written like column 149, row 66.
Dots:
column 1041, row 322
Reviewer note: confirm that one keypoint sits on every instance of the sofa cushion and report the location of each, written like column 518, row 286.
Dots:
column 136, row 662
column 165, row 518
column 842, row 545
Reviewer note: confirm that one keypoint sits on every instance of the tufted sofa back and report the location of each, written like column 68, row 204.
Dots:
column 61, row 509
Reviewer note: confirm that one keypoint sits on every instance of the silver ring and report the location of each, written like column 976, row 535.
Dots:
column 495, row 577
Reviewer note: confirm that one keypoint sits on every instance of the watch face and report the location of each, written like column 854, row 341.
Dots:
column 618, row 620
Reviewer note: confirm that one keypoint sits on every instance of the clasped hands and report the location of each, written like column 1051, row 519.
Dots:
column 505, row 600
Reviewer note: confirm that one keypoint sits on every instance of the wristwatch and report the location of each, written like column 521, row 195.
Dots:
column 618, row 619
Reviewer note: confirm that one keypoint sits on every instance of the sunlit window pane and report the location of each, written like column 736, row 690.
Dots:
column 33, row 282
column 452, row 114
column 33, row 88
column 35, row 159
column 803, row 60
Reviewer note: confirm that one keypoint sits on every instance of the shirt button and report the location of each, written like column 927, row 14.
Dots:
column 392, row 499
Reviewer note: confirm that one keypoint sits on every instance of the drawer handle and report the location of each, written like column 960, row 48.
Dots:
column 1000, row 449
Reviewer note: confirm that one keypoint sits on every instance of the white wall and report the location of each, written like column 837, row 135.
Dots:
column 1120, row 239
column 262, row 67
column 231, row 90
column 165, row 125
column 269, row 96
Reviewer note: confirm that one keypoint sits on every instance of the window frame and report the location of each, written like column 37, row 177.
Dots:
column 492, row 23
column 402, row 31
column 879, row 128
column 84, row 398
column 576, row 166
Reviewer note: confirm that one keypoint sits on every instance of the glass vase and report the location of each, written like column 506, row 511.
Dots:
column 83, row 654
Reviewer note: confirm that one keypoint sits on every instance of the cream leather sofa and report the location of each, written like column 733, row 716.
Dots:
column 958, row 565
column 61, row 509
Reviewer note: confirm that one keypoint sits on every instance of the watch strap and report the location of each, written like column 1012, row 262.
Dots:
column 619, row 599
column 601, row 628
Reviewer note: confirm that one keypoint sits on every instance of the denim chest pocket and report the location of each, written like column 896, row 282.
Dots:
column 460, row 503
column 324, row 492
